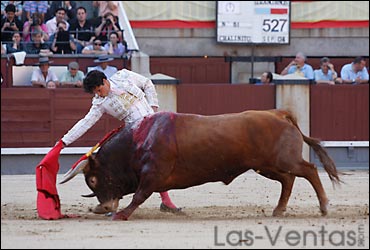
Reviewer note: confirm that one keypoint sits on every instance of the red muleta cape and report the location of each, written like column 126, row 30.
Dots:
column 48, row 203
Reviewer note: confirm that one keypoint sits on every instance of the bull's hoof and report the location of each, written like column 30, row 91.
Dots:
column 278, row 213
column 324, row 211
column 164, row 208
column 324, row 208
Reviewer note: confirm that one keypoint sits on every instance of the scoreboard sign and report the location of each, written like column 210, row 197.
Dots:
column 261, row 22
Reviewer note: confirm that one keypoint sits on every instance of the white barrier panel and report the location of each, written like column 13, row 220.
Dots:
column 41, row 151
column 22, row 74
column 329, row 144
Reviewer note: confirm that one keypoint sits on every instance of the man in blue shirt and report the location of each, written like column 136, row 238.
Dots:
column 355, row 72
column 298, row 66
column 326, row 74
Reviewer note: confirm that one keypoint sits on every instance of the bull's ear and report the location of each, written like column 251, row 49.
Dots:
column 93, row 164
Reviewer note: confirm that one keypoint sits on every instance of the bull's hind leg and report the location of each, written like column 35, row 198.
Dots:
column 309, row 172
column 287, row 181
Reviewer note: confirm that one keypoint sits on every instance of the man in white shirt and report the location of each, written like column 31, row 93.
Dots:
column 60, row 14
column 43, row 76
column 127, row 96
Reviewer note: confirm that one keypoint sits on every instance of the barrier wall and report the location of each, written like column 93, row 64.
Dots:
column 210, row 99
column 340, row 112
column 33, row 117
column 36, row 118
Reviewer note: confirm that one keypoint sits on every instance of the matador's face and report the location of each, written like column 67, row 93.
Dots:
column 102, row 90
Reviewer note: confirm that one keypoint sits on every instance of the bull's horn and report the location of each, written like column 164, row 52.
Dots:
column 88, row 195
column 74, row 171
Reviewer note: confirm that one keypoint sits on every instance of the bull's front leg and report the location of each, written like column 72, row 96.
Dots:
column 139, row 197
column 143, row 192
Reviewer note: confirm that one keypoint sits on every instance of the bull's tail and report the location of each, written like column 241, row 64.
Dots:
column 325, row 159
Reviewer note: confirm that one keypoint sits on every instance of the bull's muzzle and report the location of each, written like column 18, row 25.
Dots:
column 106, row 207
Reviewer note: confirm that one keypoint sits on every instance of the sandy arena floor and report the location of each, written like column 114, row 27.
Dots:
column 217, row 216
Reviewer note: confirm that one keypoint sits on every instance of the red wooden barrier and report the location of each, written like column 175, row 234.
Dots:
column 340, row 112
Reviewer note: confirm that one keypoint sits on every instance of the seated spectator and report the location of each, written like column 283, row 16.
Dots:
column 69, row 6
column 10, row 24
column 52, row 24
column 95, row 49
column 72, row 77
column 114, row 46
column 109, row 23
column 31, row 7
column 43, row 75
column 298, row 66
column 91, row 11
column 82, row 30
column 51, row 85
column 326, row 74
column 36, row 45
column 266, row 78
column 62, row 41
column 18, row 8
column 355, row 72
column 104, row 67
column 17, row 44
column 35, row 23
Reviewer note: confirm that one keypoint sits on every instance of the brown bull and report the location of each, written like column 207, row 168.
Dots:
column 176, row 151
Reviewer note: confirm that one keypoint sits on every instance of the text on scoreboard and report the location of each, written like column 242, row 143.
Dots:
column 263, row 22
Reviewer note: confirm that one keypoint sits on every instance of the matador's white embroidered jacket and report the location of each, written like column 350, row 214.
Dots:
column 130, row 99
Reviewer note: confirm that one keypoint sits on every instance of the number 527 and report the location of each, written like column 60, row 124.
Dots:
column 274, row 25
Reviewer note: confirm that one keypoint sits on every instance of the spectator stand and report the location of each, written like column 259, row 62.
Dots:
column 9, row 69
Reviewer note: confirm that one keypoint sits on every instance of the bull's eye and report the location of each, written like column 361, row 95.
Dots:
column 93, row 181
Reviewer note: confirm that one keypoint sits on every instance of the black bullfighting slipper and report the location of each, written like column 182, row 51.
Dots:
column 164, row 208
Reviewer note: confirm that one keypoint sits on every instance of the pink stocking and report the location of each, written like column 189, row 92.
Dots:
column 167, row 200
